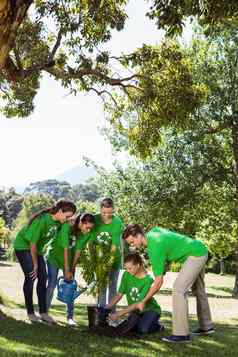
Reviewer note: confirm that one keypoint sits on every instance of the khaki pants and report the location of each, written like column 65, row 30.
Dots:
column 190, row 276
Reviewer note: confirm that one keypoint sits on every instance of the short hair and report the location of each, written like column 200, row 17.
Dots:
column 107, row 203
column 132, row 230
column 134, row 258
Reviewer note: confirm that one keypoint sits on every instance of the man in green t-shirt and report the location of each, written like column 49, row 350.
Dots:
column 164, row 246
column 109, row 226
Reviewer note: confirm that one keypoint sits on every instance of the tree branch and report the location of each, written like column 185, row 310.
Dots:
column 56, row 46
column 99, row 93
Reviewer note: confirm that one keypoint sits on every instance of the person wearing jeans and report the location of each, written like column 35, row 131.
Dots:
column 52, row 283
column 164, row 246
column 61, row 256
column 135, row 284
column 29, row 247
column 25, row 260
column 110, row 227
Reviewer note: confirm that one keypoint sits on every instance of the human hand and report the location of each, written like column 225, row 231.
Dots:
column 68, row 276
column 33, row 273
column 140, row 306
column 113, row 316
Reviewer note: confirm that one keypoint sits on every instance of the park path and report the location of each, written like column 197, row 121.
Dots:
column 11, row 279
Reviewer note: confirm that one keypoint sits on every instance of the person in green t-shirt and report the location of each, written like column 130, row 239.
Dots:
column 165, row 246
column 135, row 284
column 61, row 256
column 29, row 247
column 109, row 226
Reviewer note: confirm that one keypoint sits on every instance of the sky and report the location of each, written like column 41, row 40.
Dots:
column 64, row 128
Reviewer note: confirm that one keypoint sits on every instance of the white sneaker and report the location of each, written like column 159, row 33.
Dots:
column 33, row 318
column 47, row 318
column 71, row 322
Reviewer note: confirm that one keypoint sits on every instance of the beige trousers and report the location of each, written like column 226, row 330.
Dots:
column 190, row 276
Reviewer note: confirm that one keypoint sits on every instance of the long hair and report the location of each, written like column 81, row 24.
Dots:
column 83, row 218
column 65, row 206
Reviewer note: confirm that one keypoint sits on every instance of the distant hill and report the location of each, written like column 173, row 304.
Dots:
column 76, row 175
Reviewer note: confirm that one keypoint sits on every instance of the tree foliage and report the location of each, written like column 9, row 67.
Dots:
column 10, row 205
column 171, row 14
column 66, row 39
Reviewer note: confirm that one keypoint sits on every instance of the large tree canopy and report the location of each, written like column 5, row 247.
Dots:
column 66, row 39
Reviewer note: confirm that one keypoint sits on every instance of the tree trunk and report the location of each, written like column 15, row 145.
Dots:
column 235, row 153
column 12, row 13
column 222, row 266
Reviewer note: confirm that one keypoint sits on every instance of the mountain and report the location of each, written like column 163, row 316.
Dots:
column 76, row 175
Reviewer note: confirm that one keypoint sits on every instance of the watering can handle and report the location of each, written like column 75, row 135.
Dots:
column 59, row 280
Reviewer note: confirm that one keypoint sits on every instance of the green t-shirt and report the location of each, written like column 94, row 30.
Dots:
column 56, row 247
column 136, row 289
column 114, row 230
column 167, row 246
column 81, row 241
column 39, row 232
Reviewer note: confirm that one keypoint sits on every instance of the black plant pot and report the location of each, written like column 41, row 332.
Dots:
column 97, row 316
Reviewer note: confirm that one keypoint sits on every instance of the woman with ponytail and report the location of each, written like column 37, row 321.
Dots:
column 29, row 248
column 58, row 255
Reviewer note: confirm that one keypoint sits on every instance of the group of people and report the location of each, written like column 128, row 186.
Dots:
column 54, row 238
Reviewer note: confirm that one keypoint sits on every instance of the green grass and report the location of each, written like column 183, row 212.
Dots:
column 18, row 338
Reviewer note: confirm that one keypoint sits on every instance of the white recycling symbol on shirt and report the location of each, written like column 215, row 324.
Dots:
column 134, row 294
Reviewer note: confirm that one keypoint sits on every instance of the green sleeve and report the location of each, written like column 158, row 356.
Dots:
column 81, row 242
column 36, row 228
column 122, row 287
column 116, row 237
column 158, row 261
column 64, row 235
column 146, row 287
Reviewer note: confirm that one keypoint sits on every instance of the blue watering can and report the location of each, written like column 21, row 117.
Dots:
column 68, row 290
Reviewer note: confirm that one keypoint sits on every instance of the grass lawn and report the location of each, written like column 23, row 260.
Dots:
column 18, row 338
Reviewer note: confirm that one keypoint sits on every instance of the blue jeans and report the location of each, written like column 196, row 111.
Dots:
column 52, row 282
column 25, row 259
column 148, row 322
column 112, row 288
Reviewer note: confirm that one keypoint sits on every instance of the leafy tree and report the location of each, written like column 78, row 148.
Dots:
column 10, row 205
column 88, row 191
column 54, row 188
column 4, row 232
column 86, row 206
column 171, row 14
column 71, row 50
column 217, row 226
column 215, row 66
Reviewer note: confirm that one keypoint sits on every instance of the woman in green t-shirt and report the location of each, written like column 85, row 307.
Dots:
column 60, row 256
column 135, row 284
column 29, row 247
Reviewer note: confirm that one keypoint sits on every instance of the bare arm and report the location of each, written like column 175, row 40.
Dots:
column 155, row 287
column 75, row 261
column 67, row 273
column 115, row 300
column 127, row 310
